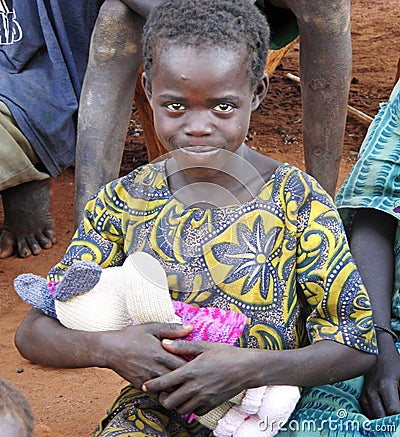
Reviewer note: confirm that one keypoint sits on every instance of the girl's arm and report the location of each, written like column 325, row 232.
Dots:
column 135, row 353
column 219, row 371
column 372, row 246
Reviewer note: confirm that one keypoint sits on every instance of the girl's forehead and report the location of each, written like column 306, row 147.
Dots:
column 214, row 60
column 191, row 53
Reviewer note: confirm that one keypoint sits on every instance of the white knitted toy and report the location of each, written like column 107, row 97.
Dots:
column 262, row 412
column 136, row 292
column 93, row 299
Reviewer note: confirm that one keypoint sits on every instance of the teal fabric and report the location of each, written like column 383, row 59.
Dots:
column 334, row 411
column 374, row 182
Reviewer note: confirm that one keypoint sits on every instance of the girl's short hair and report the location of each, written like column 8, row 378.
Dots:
column 229, row 24
column 14, row 403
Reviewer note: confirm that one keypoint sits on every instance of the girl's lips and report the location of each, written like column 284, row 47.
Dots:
column 199, row 153
column 198, row 149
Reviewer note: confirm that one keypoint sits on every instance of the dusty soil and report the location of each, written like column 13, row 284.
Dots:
column 70, row 402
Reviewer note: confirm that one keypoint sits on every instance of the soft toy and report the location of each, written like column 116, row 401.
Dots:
column 94, row 299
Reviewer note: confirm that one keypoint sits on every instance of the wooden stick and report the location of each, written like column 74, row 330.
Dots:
column 397, row 73
column 359, row 114
column 350, row 109
column 275, row 57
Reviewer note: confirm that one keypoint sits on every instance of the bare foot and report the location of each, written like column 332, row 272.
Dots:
column 28, row 225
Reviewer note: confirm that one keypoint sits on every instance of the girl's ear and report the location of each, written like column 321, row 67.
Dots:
column 260, row 92
column 147, row 86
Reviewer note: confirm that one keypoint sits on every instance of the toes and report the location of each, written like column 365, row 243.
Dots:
column 7, row 243
column 26, row 245
column 51, row 235
column 33, row 244
column 23, row 248
column 45, row 240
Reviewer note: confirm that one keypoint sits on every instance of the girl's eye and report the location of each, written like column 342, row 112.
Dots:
column 223, row 107
column 175, row 107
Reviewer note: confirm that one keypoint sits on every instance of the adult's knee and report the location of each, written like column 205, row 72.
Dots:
column 324, row 18
column 117, row 33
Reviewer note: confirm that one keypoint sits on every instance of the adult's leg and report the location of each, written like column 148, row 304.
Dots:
column 325, row 64
column 106, row 101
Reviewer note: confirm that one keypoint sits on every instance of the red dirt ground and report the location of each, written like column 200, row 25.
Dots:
column 71, row 402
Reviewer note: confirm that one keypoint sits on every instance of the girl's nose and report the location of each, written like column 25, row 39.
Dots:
column 198, row 123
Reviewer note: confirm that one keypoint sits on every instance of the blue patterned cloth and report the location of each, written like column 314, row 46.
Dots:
column 44, row 48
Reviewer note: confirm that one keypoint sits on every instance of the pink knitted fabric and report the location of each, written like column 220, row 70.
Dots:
column 211, row 324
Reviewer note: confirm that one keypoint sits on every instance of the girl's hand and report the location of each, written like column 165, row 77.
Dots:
column 217, row 373
column 380, row 396
column 136, row 353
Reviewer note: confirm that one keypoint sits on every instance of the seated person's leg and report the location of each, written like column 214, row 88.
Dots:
column 106, row 100
column 325, row 63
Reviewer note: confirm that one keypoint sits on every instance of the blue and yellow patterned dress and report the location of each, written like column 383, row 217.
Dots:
column 282, row 259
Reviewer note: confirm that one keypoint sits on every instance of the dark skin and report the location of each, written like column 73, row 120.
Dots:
column 209, row 113
column 216, row 122
column 28, row 225
column 372, row 242
column 114, row 62
column 325, row 62
column 325, row 69
column 135, row 353
column 138, row 355
column 198, row 387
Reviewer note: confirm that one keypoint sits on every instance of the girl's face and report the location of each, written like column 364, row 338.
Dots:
column 202, row 101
